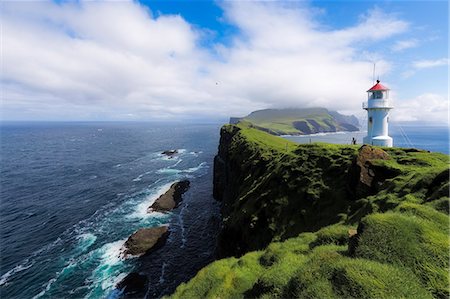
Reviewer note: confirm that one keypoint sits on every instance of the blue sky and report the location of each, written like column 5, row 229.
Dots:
column 153, row 60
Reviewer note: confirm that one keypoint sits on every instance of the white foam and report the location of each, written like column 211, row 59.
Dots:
column 195, row 154
column 86, row 240
column 168, row 170
column 110, row 260
column 16, row 269
column 141, row 209
column 26, row 263
column 112, row 253
column 138, row 178
column 47, row 288
column 194, row 169
column 178, row 162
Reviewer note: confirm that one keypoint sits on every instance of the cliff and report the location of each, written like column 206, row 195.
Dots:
column 299, row 121
column 326, row 221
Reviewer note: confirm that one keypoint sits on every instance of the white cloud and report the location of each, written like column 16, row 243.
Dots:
column 423, row 64
column 401, row 45
column 115, row 60
column 426, row 107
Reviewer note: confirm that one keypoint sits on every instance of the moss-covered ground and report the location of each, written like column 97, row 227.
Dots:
column 312, row 236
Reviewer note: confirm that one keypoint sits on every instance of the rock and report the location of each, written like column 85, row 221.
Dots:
column 133, row 284
column 170, row 200
column 146, row 240
column 363, row 173
column 170, row 153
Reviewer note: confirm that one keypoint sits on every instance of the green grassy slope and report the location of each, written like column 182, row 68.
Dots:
column 387, row 241
column 299, row 121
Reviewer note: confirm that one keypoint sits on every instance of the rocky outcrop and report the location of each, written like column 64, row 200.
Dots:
column 133, row 285
column 146, row 240
column 363, row 177
column 170, row 200
column 170, row 153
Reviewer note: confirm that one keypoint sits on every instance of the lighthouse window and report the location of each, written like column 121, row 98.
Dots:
column 378, row 94
column 370, row 119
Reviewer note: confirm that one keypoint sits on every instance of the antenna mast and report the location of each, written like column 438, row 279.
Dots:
column 373, row 76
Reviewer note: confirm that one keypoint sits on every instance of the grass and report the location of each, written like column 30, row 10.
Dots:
column 282, row 122
column 415, row 237
column 291, row 212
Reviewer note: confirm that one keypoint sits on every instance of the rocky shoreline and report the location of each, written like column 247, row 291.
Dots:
column 147, row 240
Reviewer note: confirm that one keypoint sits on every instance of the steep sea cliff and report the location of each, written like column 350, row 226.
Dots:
column 322, row 220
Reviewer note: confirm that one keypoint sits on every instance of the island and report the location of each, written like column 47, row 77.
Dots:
column 298, row 121
column 326, row 221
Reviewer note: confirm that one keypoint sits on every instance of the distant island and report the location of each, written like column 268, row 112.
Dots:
column 298, row 121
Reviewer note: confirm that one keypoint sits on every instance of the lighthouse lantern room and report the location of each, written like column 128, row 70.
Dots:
column 378, row 106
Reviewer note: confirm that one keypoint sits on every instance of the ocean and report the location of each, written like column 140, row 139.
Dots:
column 71, row 194
column 434, row 138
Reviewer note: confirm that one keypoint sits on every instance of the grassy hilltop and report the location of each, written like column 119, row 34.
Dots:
column 326, row 221
column 300, row 121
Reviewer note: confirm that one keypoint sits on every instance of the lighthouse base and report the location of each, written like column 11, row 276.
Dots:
column 379, row 141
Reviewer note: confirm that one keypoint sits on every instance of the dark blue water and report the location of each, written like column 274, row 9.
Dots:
column 71, row 193
column 433, row 138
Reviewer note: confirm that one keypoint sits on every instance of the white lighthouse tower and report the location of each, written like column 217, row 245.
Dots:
column 378, row 106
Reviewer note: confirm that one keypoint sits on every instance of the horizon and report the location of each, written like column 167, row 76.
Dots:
column 211, row 60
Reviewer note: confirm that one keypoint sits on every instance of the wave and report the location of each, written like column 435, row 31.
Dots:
column 194, row 169
column 176, row 163
column 141, row 209
column 195, row 154
column 173, row 171
column 168, row 170
column 64, row 272
column 19, row 268
column 110, row 269
column 47, row 288
column 28, row 262
column 85, row 241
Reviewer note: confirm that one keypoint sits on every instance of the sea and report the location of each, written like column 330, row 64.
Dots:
column 72, row 193
column 430, row 137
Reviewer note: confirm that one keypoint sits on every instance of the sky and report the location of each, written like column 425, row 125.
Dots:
column 209, row 60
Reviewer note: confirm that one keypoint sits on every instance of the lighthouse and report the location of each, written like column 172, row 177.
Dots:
column 378, row 106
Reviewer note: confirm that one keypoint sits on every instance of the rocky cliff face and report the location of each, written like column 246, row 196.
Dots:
column 270, row 194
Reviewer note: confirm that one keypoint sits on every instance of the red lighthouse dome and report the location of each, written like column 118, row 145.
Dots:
column 378, row 86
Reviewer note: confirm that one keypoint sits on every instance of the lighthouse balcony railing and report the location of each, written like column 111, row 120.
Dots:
column 377, row 104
